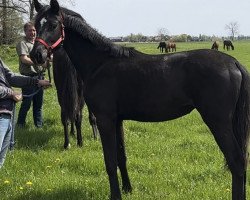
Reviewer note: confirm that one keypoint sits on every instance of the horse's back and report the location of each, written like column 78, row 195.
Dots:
column 159, row 88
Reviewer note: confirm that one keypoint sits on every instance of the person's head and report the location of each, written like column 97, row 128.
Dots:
column 30, row 31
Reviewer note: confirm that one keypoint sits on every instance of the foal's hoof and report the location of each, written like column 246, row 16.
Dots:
column 79, row 144
column 66, row 147
column 127, row 189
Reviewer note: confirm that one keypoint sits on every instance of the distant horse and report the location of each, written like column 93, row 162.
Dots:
column 171, row 47
column 70, row 96
column 162, row 46
column 215, row 45
column 228, row 44
column 123, row 84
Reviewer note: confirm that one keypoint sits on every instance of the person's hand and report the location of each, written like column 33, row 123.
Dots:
column 44, row 83
column 46, row 64
column 17, row 96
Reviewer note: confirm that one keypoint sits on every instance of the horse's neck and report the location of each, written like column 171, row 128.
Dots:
column 83, row 54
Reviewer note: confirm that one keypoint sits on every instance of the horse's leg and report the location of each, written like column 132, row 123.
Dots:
column 78, row 124
column 221, row 127
column 72, row 129
column 121, row 158
column 107, row 130
column 65, row 128
column 92, row 121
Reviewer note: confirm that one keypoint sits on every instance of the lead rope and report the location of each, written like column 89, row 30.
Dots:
column 12, row 139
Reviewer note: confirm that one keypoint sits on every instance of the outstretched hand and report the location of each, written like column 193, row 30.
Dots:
column 44, row 83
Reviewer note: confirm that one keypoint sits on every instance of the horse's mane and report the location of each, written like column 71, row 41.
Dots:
column 74, row 21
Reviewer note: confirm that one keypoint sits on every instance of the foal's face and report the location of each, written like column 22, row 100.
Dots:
column 49, row 29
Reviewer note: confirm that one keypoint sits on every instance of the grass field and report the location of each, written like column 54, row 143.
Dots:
column 174, row 160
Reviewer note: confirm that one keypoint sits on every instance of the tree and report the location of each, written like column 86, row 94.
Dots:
column 233, row 29
column 162, row 33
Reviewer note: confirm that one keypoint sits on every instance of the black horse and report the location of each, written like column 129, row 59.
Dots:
column 228, row 44
column 215, row 45
column 123, row 84
column 162, row 46
column 70, row 97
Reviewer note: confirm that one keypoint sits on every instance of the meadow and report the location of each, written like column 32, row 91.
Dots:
column 174, row 160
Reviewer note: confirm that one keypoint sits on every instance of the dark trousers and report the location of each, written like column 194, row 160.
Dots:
column 37, row 101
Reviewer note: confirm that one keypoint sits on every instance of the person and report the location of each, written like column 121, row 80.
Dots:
column 8, row 97
column 27, row 68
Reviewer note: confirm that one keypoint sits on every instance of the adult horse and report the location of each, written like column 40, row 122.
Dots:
column 162, row 46
column 215, row 45
column 70, row 97
column 171, row 47
column 228, row 44
column 117, row 88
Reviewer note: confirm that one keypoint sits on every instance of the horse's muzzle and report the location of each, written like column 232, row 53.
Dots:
column 38, row 55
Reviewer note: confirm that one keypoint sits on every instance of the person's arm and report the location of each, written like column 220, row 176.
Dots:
column 18, row 80
column 5, row 92
column 26, row 60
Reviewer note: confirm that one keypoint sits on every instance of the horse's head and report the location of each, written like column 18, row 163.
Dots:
column 50, row 31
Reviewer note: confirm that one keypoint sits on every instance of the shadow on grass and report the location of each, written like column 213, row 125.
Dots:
column 61, row 194
column 34, row 138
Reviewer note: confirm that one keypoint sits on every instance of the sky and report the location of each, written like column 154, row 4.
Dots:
column 193, row 17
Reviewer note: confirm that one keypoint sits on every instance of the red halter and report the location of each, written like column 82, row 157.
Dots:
column 51, row 47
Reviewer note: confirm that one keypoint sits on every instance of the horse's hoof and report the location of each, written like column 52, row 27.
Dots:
column 127, row 189
column 66, row 147
column 79, row 144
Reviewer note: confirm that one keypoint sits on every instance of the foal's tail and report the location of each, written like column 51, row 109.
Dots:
column 241, row 118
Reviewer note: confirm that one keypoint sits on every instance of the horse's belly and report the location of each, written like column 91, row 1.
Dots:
column 156, row 113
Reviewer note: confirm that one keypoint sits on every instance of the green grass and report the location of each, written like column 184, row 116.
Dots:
column 176, row 160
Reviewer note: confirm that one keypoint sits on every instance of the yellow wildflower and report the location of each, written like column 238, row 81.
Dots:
column 29, row 183
column 6, row 182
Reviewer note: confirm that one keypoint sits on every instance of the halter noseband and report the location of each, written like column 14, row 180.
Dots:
column 53, row 46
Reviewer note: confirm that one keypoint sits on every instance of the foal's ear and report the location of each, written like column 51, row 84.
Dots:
column 54, row 6
column 38, row 6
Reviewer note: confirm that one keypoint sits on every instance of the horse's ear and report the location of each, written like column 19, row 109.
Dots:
column 38, row 6
column 54, row 6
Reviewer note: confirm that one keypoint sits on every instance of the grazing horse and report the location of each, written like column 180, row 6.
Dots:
column 70, row 96
column 215, row 45
column 171, row 47
column 162, row 46
column 228, row 44
column 117, row 88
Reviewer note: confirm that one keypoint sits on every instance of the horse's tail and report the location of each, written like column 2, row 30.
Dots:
column 241, row 117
